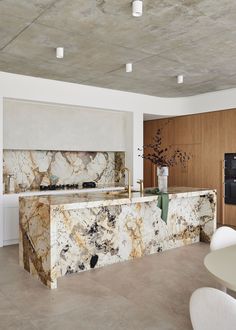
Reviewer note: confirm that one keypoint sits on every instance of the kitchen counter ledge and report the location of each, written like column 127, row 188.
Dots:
column 99, row 188
column 105, row 198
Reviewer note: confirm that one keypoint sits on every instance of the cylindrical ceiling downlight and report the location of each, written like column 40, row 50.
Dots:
column 137, row 8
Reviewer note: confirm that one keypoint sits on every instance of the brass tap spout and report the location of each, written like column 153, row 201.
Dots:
column 128, row 188
column 141, row 186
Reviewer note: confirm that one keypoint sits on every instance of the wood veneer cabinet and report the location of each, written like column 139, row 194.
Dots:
column 207, row 137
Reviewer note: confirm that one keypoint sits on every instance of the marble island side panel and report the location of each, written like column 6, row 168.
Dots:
column 58, row 239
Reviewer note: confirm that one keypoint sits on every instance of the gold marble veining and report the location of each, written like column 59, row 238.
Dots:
column 32, row 168
column 134, row 230
column 34, row 248
column 57, row 239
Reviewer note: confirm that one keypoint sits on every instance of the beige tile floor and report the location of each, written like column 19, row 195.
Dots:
column 148, row 293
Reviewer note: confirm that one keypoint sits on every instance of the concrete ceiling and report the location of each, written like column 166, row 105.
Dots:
column 196, row 38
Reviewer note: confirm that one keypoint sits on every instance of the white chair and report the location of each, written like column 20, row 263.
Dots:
column 223, row 237
column 211, row 309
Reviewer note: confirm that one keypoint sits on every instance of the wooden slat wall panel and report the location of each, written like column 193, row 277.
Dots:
column 191, row 175
column 207, row 137
column 187, row 126
column 150, row 128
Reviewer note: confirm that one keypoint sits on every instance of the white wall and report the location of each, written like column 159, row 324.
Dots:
column 44, row 90
column 49, row 91
column 214, row 101
column 57, row 92
column 129, row 143
column 1, row 172
column 46, row 126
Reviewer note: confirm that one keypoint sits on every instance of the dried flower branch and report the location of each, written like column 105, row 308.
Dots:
column 164, row 156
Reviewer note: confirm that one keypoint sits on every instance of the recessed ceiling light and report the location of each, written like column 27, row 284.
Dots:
column 60, row 52
column 129, row 67
column 137, row 8
column 180, row 79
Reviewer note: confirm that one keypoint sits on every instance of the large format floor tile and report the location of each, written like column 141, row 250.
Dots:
column 148, row 293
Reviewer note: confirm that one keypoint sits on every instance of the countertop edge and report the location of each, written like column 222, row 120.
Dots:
column 102, row 201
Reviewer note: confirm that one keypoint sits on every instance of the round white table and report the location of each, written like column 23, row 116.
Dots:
column 222, row 265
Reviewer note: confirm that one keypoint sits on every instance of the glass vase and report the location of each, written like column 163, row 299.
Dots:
column 162, row 174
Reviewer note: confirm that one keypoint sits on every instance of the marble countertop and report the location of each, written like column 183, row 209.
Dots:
column 188, row 191
column 92, row 199
column 99, row 198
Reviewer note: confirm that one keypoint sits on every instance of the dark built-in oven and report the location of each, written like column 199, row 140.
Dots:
column 230, row 178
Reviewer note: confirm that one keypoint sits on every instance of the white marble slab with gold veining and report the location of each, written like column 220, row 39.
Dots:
column 32, row 168
column 65, row 234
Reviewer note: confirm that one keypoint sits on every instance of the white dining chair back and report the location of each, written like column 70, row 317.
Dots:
column 223, row 237
column 211, row 309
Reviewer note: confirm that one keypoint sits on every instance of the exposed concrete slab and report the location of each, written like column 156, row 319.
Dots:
column 40, row 42
column 10, row 27
column 24, row 8
column 223, row 11
column 45, row 69
column 196, row 38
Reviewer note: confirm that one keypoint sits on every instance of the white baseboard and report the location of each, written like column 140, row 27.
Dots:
column 11, row 242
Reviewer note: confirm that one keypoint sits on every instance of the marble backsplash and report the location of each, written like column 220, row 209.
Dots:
column 31, row 168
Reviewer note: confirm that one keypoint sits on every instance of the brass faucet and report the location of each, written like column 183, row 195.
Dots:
column 141, row 186
column 128, row 188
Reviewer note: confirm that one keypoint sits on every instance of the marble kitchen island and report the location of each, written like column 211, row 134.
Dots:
column 71, row 233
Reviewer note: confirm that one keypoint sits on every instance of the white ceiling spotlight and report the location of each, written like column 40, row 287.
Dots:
column 137, row 8
column 180, row 79
column 129, row 67
column 60, row 52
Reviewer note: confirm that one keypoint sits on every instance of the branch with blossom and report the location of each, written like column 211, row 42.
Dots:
column 167, row 156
